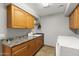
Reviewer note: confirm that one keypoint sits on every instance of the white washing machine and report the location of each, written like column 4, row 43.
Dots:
column 67, row 46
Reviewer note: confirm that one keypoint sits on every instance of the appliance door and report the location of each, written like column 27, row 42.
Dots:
column 65, row 51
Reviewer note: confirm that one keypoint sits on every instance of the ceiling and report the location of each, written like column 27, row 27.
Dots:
column 52, row 9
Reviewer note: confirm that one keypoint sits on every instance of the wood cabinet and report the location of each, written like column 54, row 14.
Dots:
column 21, row 52
column 30, row 21
column 18, row 18
column 31, row 47
column 71, row 21
column 74, row 18
column 6, row 51
column 39, row 42
column 28, row 48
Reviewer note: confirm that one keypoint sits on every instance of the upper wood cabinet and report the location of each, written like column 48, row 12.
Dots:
column 74, row 18
column 18, row 18
column 30, row 20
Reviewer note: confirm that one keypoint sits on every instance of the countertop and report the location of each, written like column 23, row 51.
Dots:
column 68, row 41
column 19, row 41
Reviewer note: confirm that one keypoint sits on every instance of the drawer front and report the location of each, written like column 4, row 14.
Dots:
column 21, row 52
column 14, row 49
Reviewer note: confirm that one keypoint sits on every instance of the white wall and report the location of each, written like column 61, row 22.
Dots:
column 17, row 32
column 3, row 19
column 3, row 29
column 53, row 26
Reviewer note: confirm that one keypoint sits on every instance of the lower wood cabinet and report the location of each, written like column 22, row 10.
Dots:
column 21, row 52
column 39, row 42
column 28, row 48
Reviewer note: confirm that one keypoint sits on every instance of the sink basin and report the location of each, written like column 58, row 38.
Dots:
column 37, row 35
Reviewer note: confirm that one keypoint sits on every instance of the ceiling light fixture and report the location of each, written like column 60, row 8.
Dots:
column 45, row 4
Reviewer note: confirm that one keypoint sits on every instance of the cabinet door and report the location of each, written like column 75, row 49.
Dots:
column 74, row 19
column 78, row 16
column 21, row 52
column 6, row 50
column 19, row 18
column 75, row 13
column 71, row 21
column 30, row 21
column 31, row 47
column 39, row 42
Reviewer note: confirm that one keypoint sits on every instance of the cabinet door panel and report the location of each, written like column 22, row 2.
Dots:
column 38, row 42
column 70, row 20
column 78, row 16
column 74, row 18
column 75, row 24
column 30, row 21
column 19, row 18
column 21, row 52
column 15, row 48
column 31, row 48
column 6, row 51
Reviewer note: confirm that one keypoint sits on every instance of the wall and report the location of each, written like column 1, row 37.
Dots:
column 55, row 25
column 3, row 29
column 17, row 32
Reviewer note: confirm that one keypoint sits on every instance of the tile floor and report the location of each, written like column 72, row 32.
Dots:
column 46, row 51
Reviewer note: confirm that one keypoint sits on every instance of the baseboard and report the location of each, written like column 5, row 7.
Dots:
column 49, row 45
